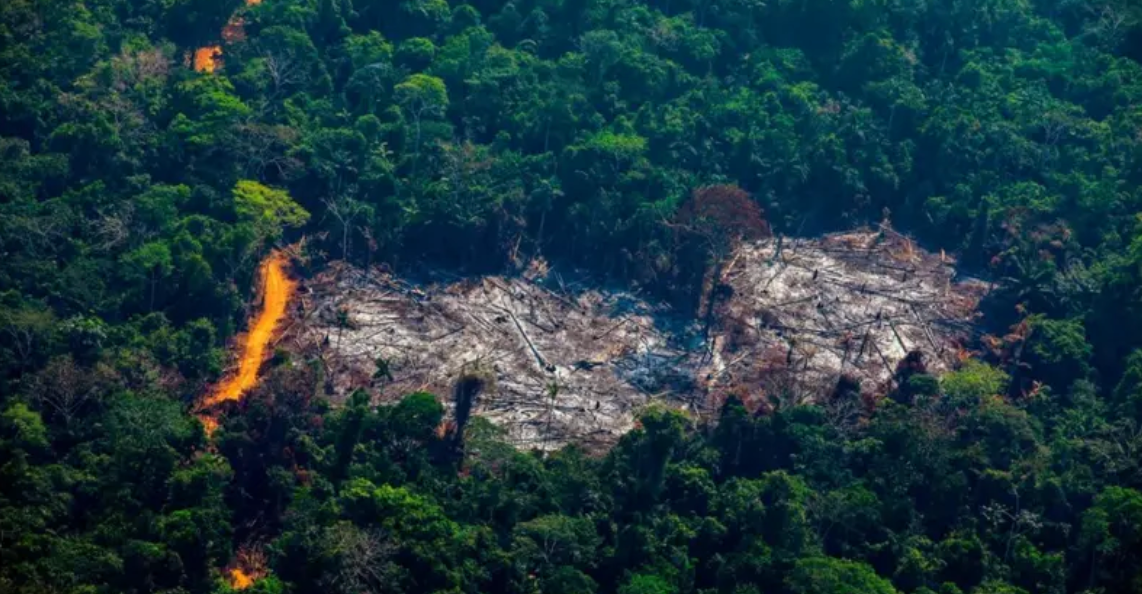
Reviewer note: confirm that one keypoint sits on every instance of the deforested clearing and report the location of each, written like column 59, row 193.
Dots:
column 573, row 364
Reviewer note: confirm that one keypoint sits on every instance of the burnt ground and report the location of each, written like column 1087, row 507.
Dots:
column 574, row 365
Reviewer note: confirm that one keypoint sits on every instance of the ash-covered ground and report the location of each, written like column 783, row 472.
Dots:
column 574, row 365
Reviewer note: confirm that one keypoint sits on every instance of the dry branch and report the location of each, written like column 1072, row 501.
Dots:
column 531, row 345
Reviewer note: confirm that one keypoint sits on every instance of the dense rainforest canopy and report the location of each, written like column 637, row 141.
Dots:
column 138, row 194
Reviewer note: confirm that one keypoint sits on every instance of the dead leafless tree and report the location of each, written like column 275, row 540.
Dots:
column 1019, row 521
column 113, row 229
column 133, row 68
column 844, row 408
column 342, row 207
column 64, row 388
column 362, row 560
column 1109, row 23
column 266, row 148
column 283, row 71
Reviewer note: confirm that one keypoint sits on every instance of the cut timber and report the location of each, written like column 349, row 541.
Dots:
column 531, row 345
column 613, row 328
column 899, row 340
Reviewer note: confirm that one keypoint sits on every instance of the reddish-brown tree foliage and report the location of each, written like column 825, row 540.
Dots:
column 723, row 215
column 708, row 227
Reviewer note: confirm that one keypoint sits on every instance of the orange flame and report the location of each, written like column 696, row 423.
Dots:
column 277, row 288
column 239, row 580
column 209, row 423
column 206, row 58
column 249, row 566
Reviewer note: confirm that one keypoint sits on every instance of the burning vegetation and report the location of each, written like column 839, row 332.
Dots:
column 249, row 566
column 208, row 58
column 276, row 291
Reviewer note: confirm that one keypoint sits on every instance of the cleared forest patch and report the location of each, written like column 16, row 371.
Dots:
column 791, row 317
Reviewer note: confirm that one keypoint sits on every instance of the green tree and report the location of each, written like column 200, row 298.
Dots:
column 422, row 97
column 826, row 575
column 973, row 383
column 1112, row 537
column 269, row 211
column 149, row 265
column 641, row 583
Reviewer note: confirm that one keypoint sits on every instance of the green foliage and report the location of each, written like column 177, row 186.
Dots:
column 825, row 575
column 23, row 429
column 417, row 415
column 1128, row 393
column 269, row 210
column 1110, row 531
column 137, row 196
column 422, row 94
column 1059, row 352
column 973, row 383
column 415, row 53
column 560, row 540
column 647, row 584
